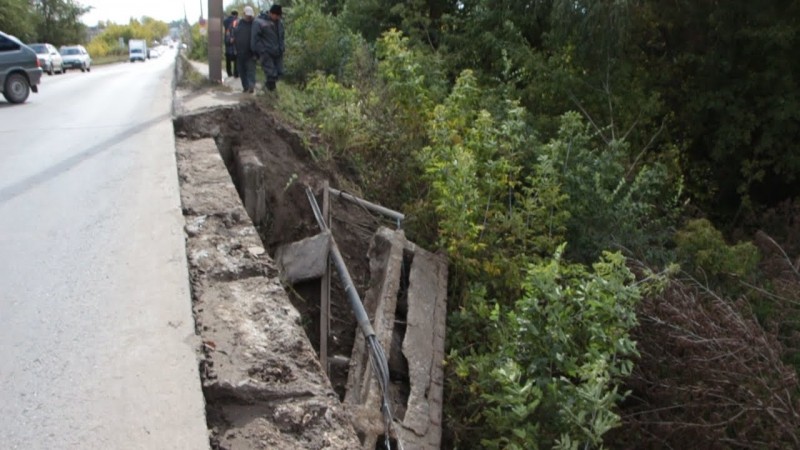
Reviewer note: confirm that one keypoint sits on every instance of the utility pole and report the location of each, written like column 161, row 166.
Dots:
column 215, row 40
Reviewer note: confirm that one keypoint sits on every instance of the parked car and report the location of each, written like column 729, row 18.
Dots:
column 20, row 71
column 76, row 57
column 49, row 58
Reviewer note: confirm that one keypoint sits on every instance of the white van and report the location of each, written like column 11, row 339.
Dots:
column 137, row 50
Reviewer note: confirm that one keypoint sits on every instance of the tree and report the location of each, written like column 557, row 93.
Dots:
column 58, row 22
column 419, row 19
column 16, row 19
column 729, row 74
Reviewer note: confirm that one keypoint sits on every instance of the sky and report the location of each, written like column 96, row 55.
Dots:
column 120, row 11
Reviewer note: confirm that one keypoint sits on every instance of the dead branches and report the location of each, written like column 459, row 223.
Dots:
column 709, row 376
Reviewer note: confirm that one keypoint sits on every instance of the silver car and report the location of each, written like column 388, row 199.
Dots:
column 76, row 57
column 49, row 58
column 20, row 71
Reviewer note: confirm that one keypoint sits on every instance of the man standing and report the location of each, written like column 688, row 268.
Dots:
column 230, row 23
column 245, row 59
column 267, row 44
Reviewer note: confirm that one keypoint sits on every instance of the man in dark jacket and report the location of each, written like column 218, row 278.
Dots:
column 268, row 44
column 245, row 59
column 230, row 48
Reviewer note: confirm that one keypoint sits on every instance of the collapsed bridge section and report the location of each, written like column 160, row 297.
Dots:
column 404, row 290
column 406, row 305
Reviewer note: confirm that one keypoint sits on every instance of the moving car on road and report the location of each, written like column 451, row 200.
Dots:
column 76, row 57
column 49, row 58
column 20, row 71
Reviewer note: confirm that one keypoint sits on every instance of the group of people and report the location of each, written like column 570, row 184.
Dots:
column 254, row 39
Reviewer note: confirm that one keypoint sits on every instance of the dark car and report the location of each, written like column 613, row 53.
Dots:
column 76, row 57
column 20, row 71
column 49, row 58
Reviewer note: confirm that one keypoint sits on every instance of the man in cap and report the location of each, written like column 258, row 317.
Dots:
column 244, row 54
column 268, row 44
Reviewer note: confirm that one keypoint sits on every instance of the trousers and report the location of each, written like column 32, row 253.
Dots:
column 247, row 71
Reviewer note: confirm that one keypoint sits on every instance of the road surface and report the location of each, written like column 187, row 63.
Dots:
column 96, row 334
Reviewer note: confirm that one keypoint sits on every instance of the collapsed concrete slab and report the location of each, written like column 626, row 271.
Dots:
column 263, row 385
column 407, row 305
column 250, row 183
column 304, row 260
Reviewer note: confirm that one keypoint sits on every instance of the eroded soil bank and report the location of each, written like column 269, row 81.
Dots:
column 263, row 383
column 244, row 177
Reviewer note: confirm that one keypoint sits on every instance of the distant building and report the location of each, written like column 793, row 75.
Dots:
column 92, row 32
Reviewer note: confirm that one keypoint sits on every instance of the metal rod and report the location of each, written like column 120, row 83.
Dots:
column 369, row 205
column 325, row 295
column 380, row 365
column 338, row 262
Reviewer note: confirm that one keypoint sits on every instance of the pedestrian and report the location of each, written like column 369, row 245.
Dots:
column 230, row 48
column 268, row 44
column 245, row 58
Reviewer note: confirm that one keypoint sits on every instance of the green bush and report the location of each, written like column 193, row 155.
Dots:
column 198, row 49
column 546, row 371
column 704, row 252
column 482, row 194
column 611, row 206
column 317, row 42
column 334, row 111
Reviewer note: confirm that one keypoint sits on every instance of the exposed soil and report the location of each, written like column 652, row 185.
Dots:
column 289, row 217
column 288, row 168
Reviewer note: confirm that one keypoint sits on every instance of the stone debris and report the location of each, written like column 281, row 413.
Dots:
column 407, row 302
column 263, row 384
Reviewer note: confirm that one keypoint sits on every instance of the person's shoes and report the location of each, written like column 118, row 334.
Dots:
column 251, row 90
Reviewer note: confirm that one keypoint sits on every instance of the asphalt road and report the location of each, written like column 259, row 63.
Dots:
column 96, row 333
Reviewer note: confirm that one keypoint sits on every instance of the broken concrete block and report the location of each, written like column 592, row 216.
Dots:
column 251, row 185
column 407, row 303
column 305, row 259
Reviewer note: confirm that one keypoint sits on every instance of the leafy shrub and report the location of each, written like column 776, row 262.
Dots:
column 317, row 42
column 107, row 42
column 199, row 45
column 704, row 251
column 412, row 80
column 480, row 191
column 609, row 207
column 98, row 48
column 334, row 110
column 546, row 371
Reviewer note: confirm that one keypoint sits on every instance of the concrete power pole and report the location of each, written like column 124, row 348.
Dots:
column 215, row 40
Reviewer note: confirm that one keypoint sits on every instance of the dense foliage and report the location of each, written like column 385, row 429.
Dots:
column 53, row 21
column 560, row 152
column 58, row 22
column 536, row 143
column 108, row 41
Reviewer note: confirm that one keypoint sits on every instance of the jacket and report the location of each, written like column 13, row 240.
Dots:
column 241, row 37
column 229, row 24
column 267, row 37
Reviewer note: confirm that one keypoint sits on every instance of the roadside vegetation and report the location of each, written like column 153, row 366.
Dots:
column 615, row 184
column 58, row 22
column 616, row 188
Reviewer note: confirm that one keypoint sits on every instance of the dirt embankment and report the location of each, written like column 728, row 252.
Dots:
column 263, row 383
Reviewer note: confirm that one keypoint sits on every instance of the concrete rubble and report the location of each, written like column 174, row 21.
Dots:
column 262, row 381
column 407, row 302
